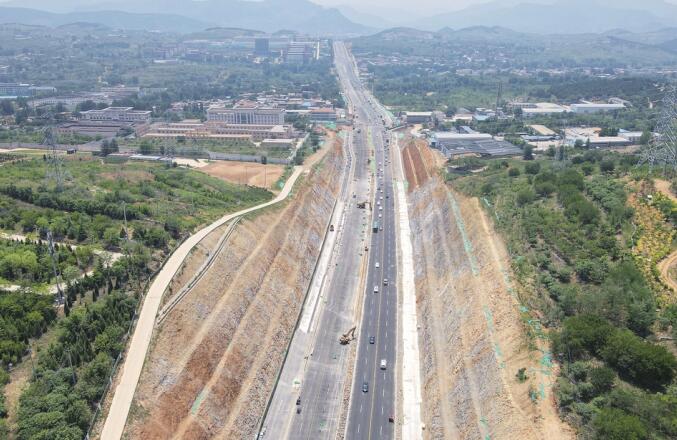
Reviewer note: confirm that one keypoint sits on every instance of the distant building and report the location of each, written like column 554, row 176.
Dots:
column 120, row 90
column 460, row 144
column 262, row 47
column 483, row 114
column 540, row 108
column 442, row 137
column 246, row 114
column 542, row 130
column 217, row 130
column 94, row 129
column 70, row 102
column 16, row 90
column 418, row 117
column 302, row 52
column 122, row 114
column 595, row 108
column 323, row 115
column 632, row 136
column 590, row 135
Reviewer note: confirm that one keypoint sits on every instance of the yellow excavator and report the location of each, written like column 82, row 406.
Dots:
column 348, row 336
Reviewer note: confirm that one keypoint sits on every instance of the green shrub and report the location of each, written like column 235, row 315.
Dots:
column 616, row 424
column 532, row 168
column 642, row 363
column 525, row 196
column 514, row 172
column 602, row 379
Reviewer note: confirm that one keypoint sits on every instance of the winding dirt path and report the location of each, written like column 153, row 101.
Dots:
column 665, row 266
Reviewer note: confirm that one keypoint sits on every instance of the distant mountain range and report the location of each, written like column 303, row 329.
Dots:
column 528, row 16
column 560, row 16
column 113, row 19
column 264, row 15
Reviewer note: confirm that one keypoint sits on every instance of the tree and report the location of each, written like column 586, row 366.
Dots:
column 616, row 424
column 532, row 168
column 528, row 152
column 525, row 196
column 602, row 379
column 645, row 138
column 607, row 166
column 145, row 147
column 6, row 107
column 645, row 364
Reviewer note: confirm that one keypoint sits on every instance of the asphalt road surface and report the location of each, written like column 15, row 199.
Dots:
column 373, row 392
column 315, row 368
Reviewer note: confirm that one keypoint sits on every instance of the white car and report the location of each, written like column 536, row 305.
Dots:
column 378, row 265
column 383, row 364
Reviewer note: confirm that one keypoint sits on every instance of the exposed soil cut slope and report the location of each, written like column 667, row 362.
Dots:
column 216, row 356
column 471, row 334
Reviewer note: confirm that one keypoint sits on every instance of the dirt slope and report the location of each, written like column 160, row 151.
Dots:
column 254, row 174
column 214, row 361
column 471, row 333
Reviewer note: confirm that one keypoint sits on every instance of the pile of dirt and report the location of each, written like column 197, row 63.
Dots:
column 214, row 361
column 472, row 334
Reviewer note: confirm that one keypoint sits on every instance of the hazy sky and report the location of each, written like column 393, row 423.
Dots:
column 422, row 7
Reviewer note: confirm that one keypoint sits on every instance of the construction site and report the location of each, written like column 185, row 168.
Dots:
column 472, row 329
column 216, row 352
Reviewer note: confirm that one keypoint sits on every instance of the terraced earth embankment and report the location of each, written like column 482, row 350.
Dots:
column 214, row 360
column 472, row 329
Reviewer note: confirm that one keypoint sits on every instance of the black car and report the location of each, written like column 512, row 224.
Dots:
column 365, row 387
column 372, row 339
column 298, row 401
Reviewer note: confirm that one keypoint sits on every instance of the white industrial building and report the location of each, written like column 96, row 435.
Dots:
column 595, row 108
column 121, row 114
column 530, row 110
column 246, row 115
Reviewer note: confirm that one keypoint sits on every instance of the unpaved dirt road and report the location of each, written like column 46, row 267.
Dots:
column 668, row 269
column 124, row 392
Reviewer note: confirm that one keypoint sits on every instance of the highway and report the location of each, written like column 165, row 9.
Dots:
column 308, row 399
column 373, row 391
column 314, row 370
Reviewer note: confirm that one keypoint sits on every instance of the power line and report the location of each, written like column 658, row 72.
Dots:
column 662, row 150
column 55, row 169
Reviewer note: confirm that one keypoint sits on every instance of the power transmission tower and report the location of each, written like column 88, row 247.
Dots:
column 55, row 170
column 499, row 95
column 662, row 150
column 561, row 159
column 55, row 266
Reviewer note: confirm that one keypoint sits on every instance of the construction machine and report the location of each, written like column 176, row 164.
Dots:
column 348, row 336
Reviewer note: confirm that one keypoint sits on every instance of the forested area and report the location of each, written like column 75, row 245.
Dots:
column 112, row 226
column 585, row 237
